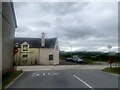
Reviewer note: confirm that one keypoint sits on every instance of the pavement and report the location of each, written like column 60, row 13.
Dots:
column 60, row 67
column 82, row 76
column 107, row 64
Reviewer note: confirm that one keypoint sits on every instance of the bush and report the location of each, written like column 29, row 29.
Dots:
column 87, row 61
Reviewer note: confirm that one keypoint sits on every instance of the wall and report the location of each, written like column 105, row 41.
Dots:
column 45, row 52
column 0, row 46
column 44, row 55
column 7, row 45
column 8, row 33
column 56, row 53
column 41, row 55
column 0, row 40
column 32, row 56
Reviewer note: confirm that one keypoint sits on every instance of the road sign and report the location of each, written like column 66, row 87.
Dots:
column 109, row 46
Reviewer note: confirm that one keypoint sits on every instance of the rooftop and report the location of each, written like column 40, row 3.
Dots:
column 36, row 42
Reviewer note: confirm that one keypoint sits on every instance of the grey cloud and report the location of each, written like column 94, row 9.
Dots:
column 41, row 24
column 62, row 8
column 22, row 29
column 20, row 4
column 86, row 26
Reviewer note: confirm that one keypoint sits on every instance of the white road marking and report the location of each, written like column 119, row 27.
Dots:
column 43, row 74
column 83, row 82
column 51, row 74
column 48, row 73
column 35, row 74
column 55, row 73
column 14, row 80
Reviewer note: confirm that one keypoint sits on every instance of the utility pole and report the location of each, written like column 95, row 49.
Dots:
column 71, row 50
column 110, row 58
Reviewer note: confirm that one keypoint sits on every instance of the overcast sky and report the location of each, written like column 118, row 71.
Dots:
column 86, row 26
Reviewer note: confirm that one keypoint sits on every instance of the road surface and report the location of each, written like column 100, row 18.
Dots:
column 66, row 78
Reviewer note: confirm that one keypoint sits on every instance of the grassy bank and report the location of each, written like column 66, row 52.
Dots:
column 9, row 77
column 115, row 70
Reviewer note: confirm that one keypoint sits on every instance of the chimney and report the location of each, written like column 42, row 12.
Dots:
column 43, row 39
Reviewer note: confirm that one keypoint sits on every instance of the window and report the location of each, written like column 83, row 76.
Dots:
column 50, row 57
column 24, row 58
column 16, row 45
column 25, row 47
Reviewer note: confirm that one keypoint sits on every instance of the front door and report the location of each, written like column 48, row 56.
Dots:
column 24, row 60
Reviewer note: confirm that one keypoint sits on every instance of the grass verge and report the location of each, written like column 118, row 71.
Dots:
column 9, row 77
column 115, row 70
column 85, row 62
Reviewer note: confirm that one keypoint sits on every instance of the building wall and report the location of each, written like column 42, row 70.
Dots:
column 44, row 55
column 0, row 47
column 7, row 45
column 45, row 52
column 33, row 57
column 38, row 56
column 8, row 33
column 56, row 53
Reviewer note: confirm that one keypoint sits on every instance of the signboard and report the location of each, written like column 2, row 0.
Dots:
column 109, row 46
column 110, row 61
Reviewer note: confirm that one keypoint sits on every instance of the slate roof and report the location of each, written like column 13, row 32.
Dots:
column 36, row 42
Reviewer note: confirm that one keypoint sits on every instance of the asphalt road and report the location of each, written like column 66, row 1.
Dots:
column 68, row 78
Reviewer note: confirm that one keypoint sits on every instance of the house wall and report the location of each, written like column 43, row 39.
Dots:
column 56, row 53
column 33, row 57
column 8, row 33
column 40, row 55
column 44, row 56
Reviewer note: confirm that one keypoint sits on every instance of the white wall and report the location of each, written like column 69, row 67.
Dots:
column 44, row 55
column 56, row 53
column 45, row 52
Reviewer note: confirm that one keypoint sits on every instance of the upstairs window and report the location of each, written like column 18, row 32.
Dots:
column 25, row 47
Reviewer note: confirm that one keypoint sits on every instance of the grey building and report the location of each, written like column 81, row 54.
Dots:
column 7, row 35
